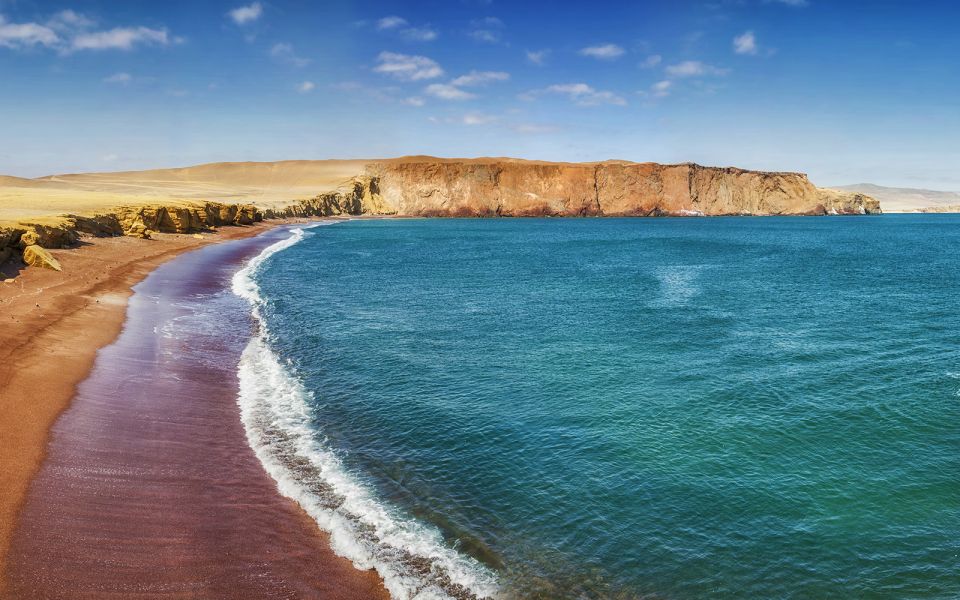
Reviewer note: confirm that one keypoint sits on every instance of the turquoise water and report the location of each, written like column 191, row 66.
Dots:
column 672, row 408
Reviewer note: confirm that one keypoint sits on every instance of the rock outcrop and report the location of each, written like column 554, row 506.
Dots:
column 360, row 196
column 181, row 219
column 494, row 187
column 840, row 202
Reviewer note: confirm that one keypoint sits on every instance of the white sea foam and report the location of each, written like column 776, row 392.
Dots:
column 411, row 557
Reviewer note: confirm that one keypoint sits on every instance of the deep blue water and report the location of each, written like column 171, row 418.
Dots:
column 679, row 408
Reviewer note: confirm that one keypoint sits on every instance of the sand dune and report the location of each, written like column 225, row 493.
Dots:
column 266, row 184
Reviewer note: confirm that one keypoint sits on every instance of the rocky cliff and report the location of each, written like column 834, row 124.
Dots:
column 427, row 186
column 496, row 187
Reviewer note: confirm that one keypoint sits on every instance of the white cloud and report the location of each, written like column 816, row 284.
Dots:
column 407, row 67
column 693, row 68
column 306, row 86
column 486, row 36
column 407, row 32
column 419, row 34
column 66, row 20
column 391, row 22
column 284, row 53
column 537, row 57
column 651, row 61
column 24, row 35
column 475, row 78
column 414, row 101
column 745, row 43
column 69, row 31
column 478, row 119
column 604, row 52
column 797, row 3
column 122, row 78
column 486, row 30
column 661, row 89
column 445, row 91
column 120, row 38
column 109, row 158
column 579, row 93
column 246, row 14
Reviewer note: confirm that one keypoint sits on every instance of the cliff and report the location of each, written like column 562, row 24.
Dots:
column 503, row 187
column 410, row 186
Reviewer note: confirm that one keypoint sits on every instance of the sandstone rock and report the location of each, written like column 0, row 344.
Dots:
column 424, row 186
column 216, row 214
column 98, row 225
column 10, row 236
column 139, row 230
column 62, row 235
column 841, row 202
column 30, row 238
column 36, row 256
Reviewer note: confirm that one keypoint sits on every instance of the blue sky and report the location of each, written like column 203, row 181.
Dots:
column 845, row 91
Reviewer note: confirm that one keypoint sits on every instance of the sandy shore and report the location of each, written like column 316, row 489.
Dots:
column 53, row 326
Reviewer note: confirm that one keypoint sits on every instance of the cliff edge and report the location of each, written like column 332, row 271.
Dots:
column 423, row 186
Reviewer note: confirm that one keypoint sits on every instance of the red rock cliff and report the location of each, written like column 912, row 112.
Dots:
column 426, row 186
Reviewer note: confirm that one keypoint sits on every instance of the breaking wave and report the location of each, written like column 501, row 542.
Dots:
column 411, row 557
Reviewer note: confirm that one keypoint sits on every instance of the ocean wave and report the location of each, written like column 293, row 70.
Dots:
column 411, row 557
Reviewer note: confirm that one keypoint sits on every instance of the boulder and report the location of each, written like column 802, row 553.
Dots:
column 36, row 256
column 138, row 230
column 62, row 235
column 30, row 238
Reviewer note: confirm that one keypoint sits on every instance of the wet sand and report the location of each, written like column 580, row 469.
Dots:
column 149, row 488
column 51, row 327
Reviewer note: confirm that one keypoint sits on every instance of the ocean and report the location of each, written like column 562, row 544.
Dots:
column 618, row 408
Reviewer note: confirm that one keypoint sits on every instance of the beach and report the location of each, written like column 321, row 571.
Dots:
column 126, row 501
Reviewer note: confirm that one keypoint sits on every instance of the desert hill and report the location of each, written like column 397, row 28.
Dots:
column 908, row 199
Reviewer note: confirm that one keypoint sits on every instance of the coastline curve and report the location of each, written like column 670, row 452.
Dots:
column 412, row 558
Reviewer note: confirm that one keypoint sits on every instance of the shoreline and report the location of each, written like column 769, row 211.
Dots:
column 48, row 313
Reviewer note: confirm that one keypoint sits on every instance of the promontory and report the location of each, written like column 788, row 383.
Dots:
column 54, row 211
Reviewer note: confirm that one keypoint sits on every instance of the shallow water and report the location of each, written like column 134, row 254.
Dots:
column 680, row 408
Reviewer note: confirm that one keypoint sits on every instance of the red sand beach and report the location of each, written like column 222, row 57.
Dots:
column 148, row 486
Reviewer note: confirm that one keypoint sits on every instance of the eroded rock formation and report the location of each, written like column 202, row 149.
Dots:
column 431, row 187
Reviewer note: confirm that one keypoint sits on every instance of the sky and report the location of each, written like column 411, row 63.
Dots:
column 846, row 91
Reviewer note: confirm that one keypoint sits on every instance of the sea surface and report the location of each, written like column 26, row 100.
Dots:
column 619, row 408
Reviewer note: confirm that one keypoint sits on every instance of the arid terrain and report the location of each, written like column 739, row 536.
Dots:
column 56, row 210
